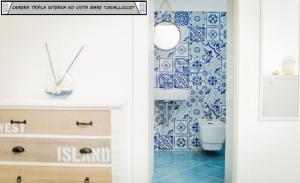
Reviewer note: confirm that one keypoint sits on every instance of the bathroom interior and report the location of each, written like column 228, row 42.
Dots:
column 190, row 91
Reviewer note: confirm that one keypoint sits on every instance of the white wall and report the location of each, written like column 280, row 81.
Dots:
column 103, row 68
column 194, row 5
column 143, row 102
column 266, row 151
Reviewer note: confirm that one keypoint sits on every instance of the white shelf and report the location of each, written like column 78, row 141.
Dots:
column 61, row 103
column 280, row 77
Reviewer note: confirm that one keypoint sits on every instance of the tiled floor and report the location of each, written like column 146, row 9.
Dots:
column 189, row 167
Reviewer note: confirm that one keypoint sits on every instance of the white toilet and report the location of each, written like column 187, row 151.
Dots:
column 212, row 135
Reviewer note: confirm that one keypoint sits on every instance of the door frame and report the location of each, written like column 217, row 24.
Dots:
column 231, row 96
column 231, row 93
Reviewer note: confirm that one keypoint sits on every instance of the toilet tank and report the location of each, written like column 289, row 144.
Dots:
column 280, row 96
column 212, row 131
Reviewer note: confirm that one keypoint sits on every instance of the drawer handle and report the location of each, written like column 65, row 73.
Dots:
column 18, row 122
column 87, row 180
column 18, row 149
column 19, row 179
column 84, row 123
column 85, row 150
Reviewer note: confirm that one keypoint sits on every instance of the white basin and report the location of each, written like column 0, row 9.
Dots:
column 171, row 94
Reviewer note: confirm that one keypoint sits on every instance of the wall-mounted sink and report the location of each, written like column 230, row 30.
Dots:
column 168, row 95
column 171, row 94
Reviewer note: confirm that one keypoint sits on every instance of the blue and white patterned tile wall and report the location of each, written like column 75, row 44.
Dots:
column 197, row 63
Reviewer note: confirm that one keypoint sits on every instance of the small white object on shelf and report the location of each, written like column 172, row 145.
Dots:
column 288, row 66
column 275, row 73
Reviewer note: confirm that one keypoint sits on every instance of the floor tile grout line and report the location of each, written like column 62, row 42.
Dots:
column 184, row 170
column 207, row 176
column 189, row 167
column 201, row 163
column 210, row 176
column 168, row 176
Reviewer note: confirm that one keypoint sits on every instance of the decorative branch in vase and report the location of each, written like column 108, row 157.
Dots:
column 61, row 86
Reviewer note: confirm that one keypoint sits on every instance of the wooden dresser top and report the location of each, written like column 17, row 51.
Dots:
column 61, row 103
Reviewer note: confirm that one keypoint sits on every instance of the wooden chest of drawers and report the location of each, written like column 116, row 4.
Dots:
column 66, row 122
column 55, row 146
column 29, row 174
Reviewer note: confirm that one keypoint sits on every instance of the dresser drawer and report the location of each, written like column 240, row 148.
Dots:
column 11, row 174
column 91, row 151
column 65, row 122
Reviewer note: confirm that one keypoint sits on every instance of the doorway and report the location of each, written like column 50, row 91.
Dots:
column 198, row 63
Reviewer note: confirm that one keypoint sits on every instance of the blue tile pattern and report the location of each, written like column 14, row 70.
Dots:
column 188, row 167
column 212, row 18
column 181, row 127
column 182, row 18
column 166, row 65
column 181, row 80
column 182, row 50
column 181, row 65
column 198, row 63
column 165, row 81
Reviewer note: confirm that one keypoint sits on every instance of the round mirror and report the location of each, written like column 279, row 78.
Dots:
column 167, row 35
